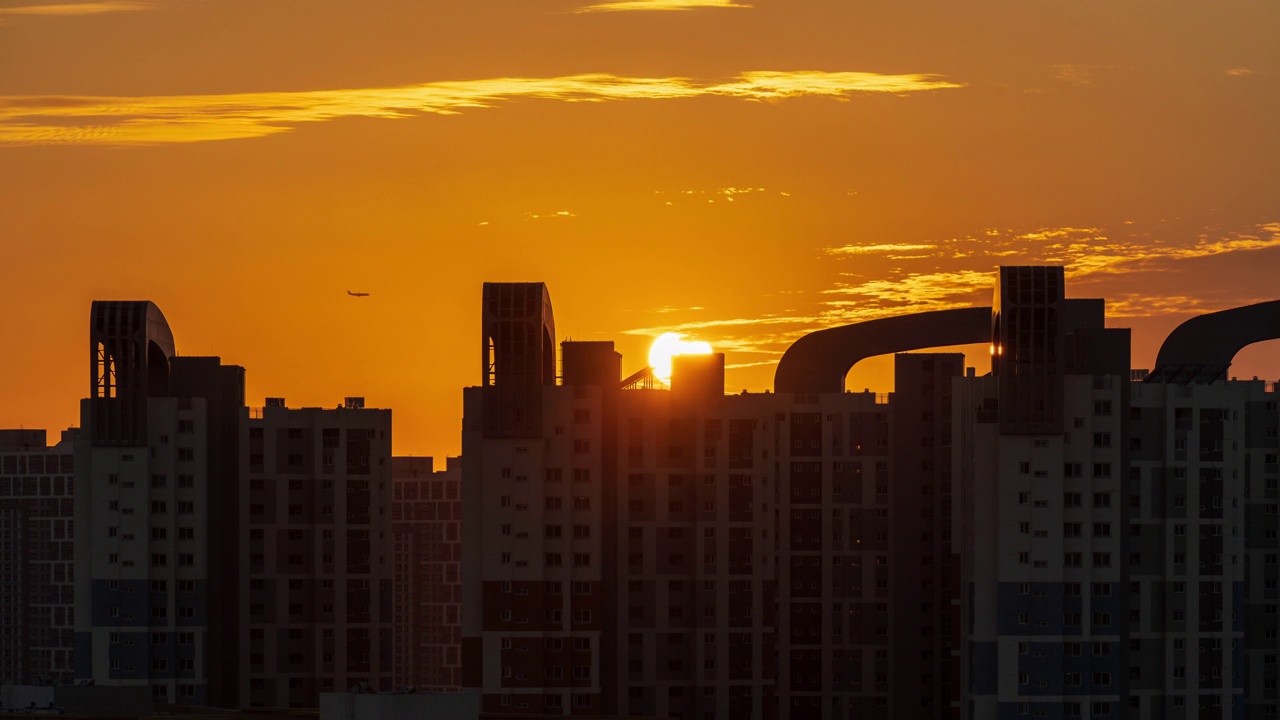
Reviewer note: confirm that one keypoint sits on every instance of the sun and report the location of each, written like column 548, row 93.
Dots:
column 667, row 346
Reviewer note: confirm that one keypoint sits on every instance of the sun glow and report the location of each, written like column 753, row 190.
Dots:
column 668, row 345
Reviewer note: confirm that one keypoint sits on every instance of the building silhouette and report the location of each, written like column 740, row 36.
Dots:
column 1055, row 539
column 224, row 557
column 37, row 526
column 316, row 588
column 1063, row 537
column 426, row 520
column 156, row 481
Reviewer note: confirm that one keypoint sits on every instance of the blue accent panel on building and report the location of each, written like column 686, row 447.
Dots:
column 186, row 652
column 1042, row 662
column 133, row 653
column 130, row 601
column 84, row 655
column 1106, row 604
column 1074, row 606
column 198, row 601
column 983, row 667
column 1043, row 608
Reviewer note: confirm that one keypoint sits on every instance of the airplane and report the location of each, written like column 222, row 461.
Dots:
column 355, row 294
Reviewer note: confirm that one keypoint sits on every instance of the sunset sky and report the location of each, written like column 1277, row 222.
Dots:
column 744, row 172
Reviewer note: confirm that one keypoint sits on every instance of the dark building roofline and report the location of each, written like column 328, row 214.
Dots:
column 1201, row 349
column 819, row 361
column 130, row 351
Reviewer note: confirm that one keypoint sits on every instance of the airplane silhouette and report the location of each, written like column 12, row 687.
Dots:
column 355, row 294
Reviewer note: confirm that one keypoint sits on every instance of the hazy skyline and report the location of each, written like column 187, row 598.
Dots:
column 744, row 172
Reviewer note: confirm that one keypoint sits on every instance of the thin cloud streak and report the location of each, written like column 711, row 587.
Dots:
column 87, row 120
column 652, row 5
column 881, row 248
column 73, row 9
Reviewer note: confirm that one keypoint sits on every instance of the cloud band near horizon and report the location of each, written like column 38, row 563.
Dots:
column 155, row 120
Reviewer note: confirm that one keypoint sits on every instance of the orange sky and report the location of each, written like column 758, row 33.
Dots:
column 743, row 171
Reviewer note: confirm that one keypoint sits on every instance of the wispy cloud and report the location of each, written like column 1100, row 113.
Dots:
column 557, row 215
column 933, row 291
column 959, row 272
column 725, row 193
column 650, row 5
column 1048, row 233
column 1239, row 72
column 773, row 85
column 880, row 248
column 71, row 9
column 71, row 120
column 1080, row 74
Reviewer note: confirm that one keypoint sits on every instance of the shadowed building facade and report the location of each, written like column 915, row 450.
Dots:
column 999, row 546
column 156, row 480
column 225, row 557
column 316, row 564
column 534, row 514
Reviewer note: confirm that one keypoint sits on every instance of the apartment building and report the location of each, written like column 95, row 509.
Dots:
column 155, row 481
column 316, row 593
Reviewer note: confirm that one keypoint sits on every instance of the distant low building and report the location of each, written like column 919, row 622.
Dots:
column 426, row 520
column 37, row 556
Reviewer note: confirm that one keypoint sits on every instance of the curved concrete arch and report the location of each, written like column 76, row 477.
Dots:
column 1201, row 349
column 819, row 361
